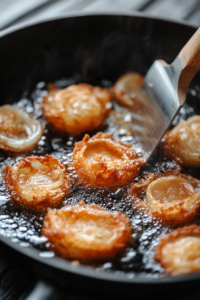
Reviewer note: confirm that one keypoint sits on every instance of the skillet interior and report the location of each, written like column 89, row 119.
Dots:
column 96, row 47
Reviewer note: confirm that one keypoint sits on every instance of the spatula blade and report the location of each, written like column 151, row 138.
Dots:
column 158, row 104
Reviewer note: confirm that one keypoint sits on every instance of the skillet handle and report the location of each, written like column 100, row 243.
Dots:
column 190, row 60
column 43, row 290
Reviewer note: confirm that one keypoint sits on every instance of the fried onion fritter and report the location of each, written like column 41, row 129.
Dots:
column 102, row 162
column 171, row 196
column 179, row 251
column 36, row 182
column 182, row 142
column 18, row 132
column 77, row 108
column 126, row 88
column 87, row 233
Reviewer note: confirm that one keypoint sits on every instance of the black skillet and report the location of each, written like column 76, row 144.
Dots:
column 96, row 46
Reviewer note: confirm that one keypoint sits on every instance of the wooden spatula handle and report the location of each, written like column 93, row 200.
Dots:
column 190, row 60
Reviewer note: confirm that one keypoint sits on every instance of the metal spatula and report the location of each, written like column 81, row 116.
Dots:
column 162, row 95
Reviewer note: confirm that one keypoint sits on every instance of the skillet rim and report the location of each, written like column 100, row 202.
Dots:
column 56, row 262
column 61, row 16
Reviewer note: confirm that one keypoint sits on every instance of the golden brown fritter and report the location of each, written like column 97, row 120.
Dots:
column 102, row 162
column 182, row 142
column 126, row 88
column 18, row 132
column 77, row 108
column 179, row 251
column 36, row 182
column 86, row 233
column 171, row 196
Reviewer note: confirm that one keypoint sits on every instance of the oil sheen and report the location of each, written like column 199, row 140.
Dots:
column 25, row 227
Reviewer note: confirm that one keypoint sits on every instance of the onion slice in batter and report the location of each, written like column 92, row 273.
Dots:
column 87, row 233
column 126, row 88
column 100, row 161
column 77, row 108
column 171, row 196
column 18, row 131
column 179, row 251
column 182, row 142
column 37, row 182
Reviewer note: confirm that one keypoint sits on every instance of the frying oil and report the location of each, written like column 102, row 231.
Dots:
column 25, row 227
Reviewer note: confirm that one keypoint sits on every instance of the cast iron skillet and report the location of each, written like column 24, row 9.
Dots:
column 97, row 46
